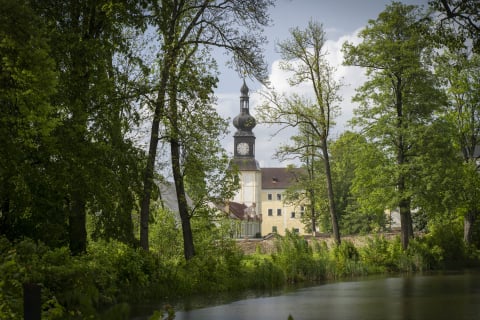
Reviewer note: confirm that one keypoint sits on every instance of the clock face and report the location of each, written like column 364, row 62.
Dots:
column 243, row 148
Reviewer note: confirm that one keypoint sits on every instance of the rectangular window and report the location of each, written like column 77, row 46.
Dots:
column 269, row 196
column 296, row 230
column 279, row 212
column 292, row 215
column 279, row 196
column 270, row 212
column 274, row 229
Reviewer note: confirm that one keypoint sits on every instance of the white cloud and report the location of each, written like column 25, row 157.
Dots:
column 351, row 77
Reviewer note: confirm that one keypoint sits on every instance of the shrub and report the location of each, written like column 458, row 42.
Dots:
column 262, row 273
column 217, row 267
column 295, row 258
column 345, row 261
column 423, row 256
column 447, row 237
column 379, row 254
column 72, row 286
column 11, row 280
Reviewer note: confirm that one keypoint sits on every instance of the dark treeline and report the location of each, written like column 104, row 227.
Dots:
column 77, row 79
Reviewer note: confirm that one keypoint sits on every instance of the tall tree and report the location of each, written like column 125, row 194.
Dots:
column 183, row 28
column 27, row 119
column 361, row 173
column 306, row 190
column 304, row 56
column 458, row 30
column 90, row 152
column 440, row 192
column 460, row 70
column 398, row 100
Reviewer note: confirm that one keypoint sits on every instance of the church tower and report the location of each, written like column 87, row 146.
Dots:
column 244, row 155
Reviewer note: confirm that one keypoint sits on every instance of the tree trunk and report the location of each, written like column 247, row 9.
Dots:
column 331, row 198
column 32, row 301
column 149, row 175
column 188, row 246
column 468, row 222
column 6, row 227
column 311, row 174
column 77, row 224
column 312, row 211
column 404, row 203
column 406, row 223
column 410, row 221
column 148, row 185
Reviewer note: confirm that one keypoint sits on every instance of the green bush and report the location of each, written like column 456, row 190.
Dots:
column 262, row 273
column 217, row 267
column 381, row 255
column 345, row 261
column 447, row 237
column 73, row 286
column 295, row 257
column 12, row 277
column 424, row 256
column 21, row 263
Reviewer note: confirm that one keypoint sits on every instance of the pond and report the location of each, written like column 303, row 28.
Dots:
column 435, row 296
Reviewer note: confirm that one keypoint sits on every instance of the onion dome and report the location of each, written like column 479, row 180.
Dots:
column 244, row 121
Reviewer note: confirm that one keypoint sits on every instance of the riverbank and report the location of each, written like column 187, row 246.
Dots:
column 102, row 283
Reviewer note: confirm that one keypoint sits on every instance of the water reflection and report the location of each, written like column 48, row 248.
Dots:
column 440, row 296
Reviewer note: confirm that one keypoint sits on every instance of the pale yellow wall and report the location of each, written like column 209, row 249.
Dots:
column 285, row 221
column 250, row 192
column 250, row 189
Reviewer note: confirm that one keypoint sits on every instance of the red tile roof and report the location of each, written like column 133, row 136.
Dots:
column 242, row 212
column 279, row 178
column 237, row 209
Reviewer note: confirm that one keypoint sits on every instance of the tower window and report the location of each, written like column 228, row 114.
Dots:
column 279, row 212
column 292, row 214
column 270, row 212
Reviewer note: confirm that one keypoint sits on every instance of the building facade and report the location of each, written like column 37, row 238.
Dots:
column 262, row 190
column 279, row 215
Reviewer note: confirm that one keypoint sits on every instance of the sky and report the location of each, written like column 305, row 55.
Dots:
column 341, row 19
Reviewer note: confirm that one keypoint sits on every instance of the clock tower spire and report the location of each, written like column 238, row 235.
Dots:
column 249, row 173
column 244, row 139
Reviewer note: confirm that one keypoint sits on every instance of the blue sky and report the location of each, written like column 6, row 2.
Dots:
column 341, row 20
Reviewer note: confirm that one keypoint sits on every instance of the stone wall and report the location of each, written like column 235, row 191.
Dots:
column 267, row 246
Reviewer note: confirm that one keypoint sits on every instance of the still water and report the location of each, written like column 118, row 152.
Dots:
column 449, row 296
